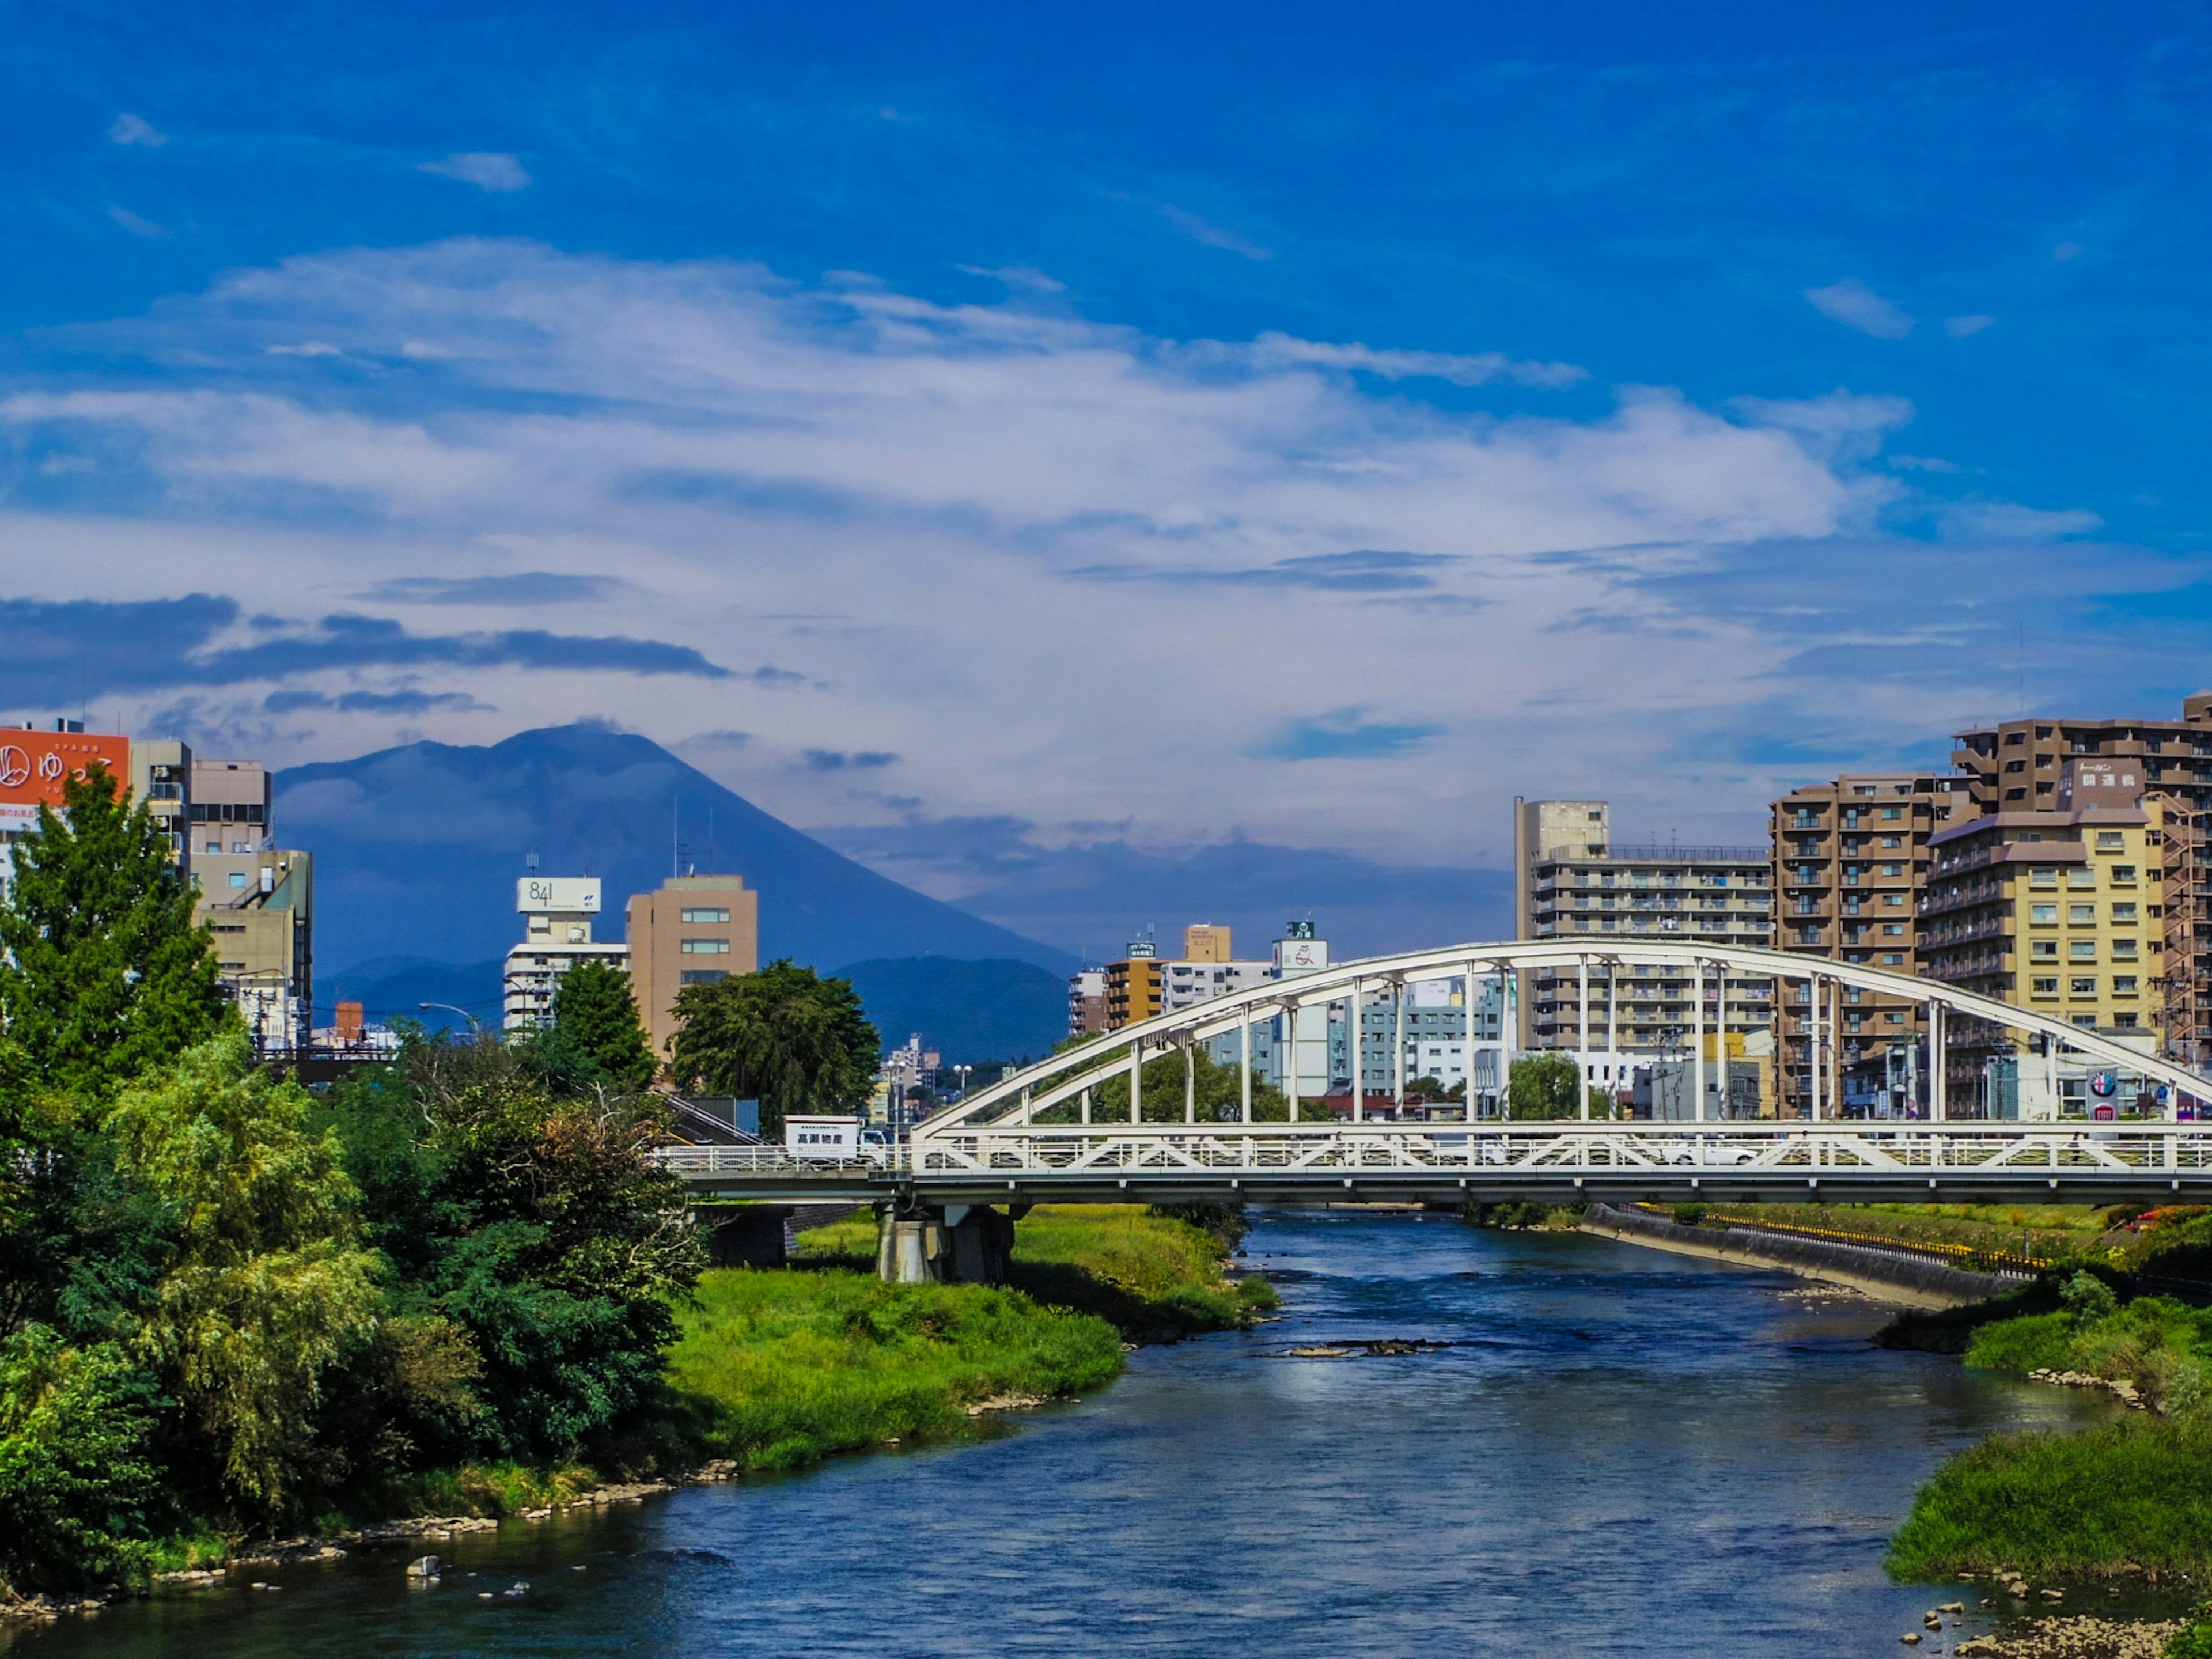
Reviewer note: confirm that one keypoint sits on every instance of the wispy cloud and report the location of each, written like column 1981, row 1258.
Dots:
column 136, row 130
column 1855, row 304
column 524, row 588
column 1481, row 368
column 837, row 760
column 1363, row 570
column 136, row 225
column 1961, row 328
column 374, row 703
column 498, row 171
column 1345, row 734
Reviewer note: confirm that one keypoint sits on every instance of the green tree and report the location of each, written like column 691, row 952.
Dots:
column 102, row 973
column 596, row 1028
column 1216, row 1092
column 794, row 1042
column 76, row 1481
column 1540, row 1087
column 268, row 1285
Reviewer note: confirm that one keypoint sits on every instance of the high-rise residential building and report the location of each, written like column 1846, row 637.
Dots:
column 1142, row 984
column 2013, row 766
column 692, row 929
column 559, row 913
column 2053, row 910
column 1133, row 985
column 1570, row 881
column 1086, row 1001
column 1850, row 860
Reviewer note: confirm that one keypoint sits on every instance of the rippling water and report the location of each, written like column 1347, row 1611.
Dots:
column 1622, row 1452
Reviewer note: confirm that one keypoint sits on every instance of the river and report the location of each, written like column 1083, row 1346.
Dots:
column 1622, row 1452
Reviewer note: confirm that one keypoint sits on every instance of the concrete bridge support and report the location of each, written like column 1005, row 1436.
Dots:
column 956, row 1244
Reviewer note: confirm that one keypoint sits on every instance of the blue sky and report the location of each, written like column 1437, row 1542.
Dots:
column 1200, row 426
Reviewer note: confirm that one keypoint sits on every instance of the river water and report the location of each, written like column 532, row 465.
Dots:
column 1622, row 1452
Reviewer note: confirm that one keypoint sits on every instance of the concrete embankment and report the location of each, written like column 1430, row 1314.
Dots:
column 1878, row 1274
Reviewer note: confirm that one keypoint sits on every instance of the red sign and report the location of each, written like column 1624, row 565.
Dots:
column 33, row 766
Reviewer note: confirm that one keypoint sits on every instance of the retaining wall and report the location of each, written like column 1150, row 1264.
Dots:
column 1874, row 1272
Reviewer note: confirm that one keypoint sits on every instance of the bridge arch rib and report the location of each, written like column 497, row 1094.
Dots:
column 1019, row 1097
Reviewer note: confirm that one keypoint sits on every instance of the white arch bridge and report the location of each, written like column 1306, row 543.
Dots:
column 1048, row 1132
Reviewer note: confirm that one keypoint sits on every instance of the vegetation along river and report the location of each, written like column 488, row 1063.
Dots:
column 1618, row 1452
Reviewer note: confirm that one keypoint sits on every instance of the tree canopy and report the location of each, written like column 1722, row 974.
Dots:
column 104, row 973
column 596, row 1035
column 1540, row 1087
column 795, row 1041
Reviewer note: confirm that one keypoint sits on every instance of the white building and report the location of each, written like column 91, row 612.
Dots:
column 556, row 936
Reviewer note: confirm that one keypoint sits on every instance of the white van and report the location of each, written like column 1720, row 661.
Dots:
column 813, row 1140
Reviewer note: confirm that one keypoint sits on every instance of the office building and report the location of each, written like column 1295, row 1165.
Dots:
column 559, row 914
column 262, row 920
column 1142, row 985
column 1570, row 881
column 2053, row 910
column 34, row 765
column 692, row 930
column 1206, row 941
column 161, row 777
column 1850, row 860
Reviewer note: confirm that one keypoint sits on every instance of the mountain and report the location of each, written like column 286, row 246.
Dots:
column 966, row 1010
column 418, row 850
column 399, row 986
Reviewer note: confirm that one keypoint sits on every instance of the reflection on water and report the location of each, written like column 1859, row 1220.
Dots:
column 1620, row 1452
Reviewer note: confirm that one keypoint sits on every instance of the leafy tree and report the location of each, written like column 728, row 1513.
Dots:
column 596, row 1030
column 103, row 973
column 1540, row 1087
column 267, row 1286
column 794, row 1041
column 530, row 1222
column 76, row 1481
column 1217, row 1094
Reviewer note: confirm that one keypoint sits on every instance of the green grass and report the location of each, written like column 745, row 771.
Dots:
column 2133, row 1498
column 1150, row 1274
column 2046, row 1231
column 777, row 1369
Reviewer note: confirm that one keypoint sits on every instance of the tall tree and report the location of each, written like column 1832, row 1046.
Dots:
column 1541, row 1087
column 596, row 1028
column 794, row 1041
column 104, row 973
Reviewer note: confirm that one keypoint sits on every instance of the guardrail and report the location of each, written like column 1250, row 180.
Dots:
column 1969, row 1258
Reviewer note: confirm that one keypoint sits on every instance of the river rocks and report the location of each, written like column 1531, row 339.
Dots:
column 424, row 1567
column 1007, row 1402
column 1374, row 1348
column 1911, row 1639
column 2120, row 1388
column 722, row 1468
column 1959, row 1607
column 2080, row 1637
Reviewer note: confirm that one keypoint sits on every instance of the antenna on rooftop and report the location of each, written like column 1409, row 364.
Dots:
column 530, row 863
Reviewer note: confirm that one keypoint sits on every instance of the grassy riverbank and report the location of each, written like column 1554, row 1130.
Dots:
column 776, row 1370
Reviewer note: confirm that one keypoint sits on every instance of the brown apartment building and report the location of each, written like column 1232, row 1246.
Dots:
column 692, row 929
column 1851, row 866
column 2019, row 765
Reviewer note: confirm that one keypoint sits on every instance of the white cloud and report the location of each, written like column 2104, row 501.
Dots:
column 137, row 226
column 893, row 499
column 1855, row 304
column 2010, row 521
column 498, row 171
column 136, row 130
column 1961, row 328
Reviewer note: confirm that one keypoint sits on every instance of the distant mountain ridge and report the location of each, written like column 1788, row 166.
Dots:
column 417, row 848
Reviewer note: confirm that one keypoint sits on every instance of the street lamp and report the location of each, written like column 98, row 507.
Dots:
column 475, row 1025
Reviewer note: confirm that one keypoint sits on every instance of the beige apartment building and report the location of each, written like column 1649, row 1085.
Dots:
column 692, row 929
column 1850, row 860
column 1570, row 881
column 2013, row 766
column 2059, row 910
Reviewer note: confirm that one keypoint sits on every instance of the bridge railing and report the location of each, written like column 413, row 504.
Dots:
column 702, row 1162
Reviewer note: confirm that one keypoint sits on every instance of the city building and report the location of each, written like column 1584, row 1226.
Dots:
column 1133, row 985
column 34, row 765
column 161, row 777
column 2056, row 910
column 1851, row 859
column 1570, row 881
column 692, row 930
column 229, row 812
column 2014, row 766
column 1086, row 1001
column 559, row 913
column 1206, row 941
column 906, row 1085
column 262, row 920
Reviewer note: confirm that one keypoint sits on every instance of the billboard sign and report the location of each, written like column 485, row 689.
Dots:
column 561, row 893
column 35, row 765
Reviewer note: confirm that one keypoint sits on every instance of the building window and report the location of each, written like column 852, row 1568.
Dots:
column 2124, row 949
column 2123, row 985
column 703, row 916
column 237, row 877
column 2044, row 878
column 1893, row 929
column 2046, row 987
column 702, row 976
column 1894, row 959
column 2081, row 915
column 1893, row 812
column 2083, row 985
column 2126, row 1022
column 2081, row 949
column 2085, row 1019
column 706, row 947
column 2043, row 949
column 2083, row 876
column 2110, row 840
column 2045, row 914
column 2123, row 872
column 2125, row 913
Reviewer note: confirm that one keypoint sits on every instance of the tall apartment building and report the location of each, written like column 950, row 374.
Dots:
column 1850, row 860
column 1133, row 985
column 2057, row 910
column 2017, row 765
column 1086, row 1001
column 692, row 929
column 1570, row 882
column 560, row 913
column 1142, row 984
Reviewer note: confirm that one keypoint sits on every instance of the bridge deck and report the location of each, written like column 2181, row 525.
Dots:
column 1489, row 1163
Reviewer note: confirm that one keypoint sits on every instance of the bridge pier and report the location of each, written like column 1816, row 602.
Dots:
column 955, row 1244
